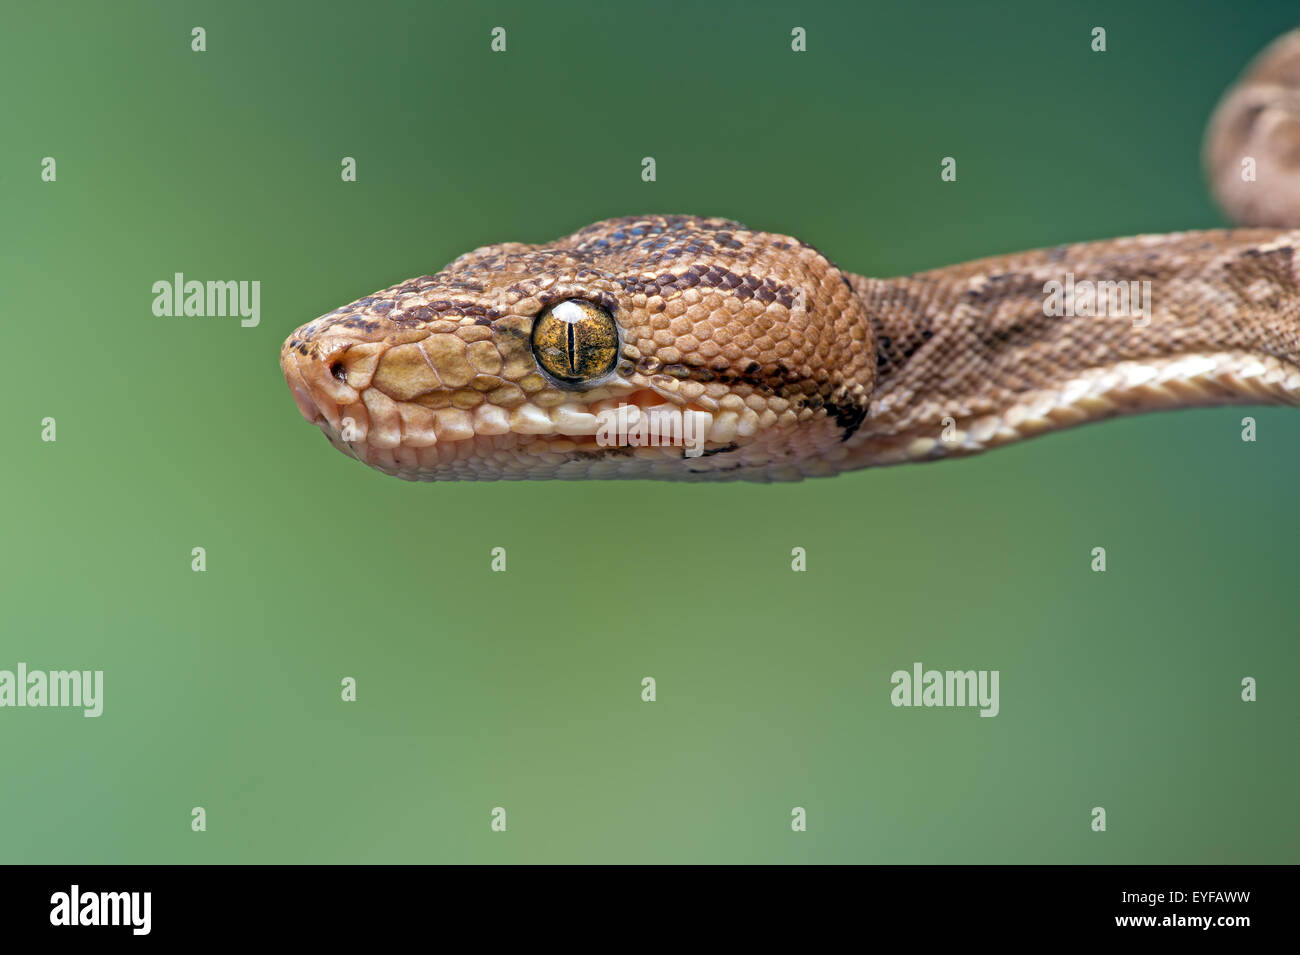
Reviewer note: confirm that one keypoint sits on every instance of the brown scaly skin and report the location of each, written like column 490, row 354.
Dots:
column 796, row 368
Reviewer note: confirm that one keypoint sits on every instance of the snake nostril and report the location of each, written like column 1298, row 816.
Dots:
column 338, row 371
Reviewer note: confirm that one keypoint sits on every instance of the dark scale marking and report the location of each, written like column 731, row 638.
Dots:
column 891, row 354
column 711, row 277
column 1283, row 252
column 508, row 331
column 709, row 452
column 849, row 417
column 610, row 452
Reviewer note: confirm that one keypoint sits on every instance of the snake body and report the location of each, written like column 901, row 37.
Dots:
column 787, row 367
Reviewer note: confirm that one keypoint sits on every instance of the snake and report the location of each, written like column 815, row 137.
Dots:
column 599, row 354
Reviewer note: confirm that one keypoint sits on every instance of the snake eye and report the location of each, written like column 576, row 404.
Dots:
column 575, row 340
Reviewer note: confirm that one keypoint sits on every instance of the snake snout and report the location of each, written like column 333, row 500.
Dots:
column 302, row 396
column 317, row 375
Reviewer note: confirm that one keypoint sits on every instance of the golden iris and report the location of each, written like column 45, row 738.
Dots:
column 575, row 341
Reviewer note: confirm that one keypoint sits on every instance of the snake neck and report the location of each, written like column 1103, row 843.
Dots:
column 977, row 355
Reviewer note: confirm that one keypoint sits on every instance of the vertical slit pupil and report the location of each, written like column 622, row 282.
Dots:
column 573, row 363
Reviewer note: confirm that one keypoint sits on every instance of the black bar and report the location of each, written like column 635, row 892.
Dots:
column 378, row 903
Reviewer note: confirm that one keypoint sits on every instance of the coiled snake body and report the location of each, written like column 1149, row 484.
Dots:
column 513, row 360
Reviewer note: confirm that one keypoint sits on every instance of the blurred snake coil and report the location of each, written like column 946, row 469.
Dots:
column 512, row 361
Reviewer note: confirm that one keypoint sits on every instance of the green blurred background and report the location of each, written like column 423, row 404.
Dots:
column 522, row 689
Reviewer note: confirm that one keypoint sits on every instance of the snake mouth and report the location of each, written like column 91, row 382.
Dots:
column 410, row 438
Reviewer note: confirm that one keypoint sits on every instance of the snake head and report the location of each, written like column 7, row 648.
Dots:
column 658, row 346
column 1252, row 143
